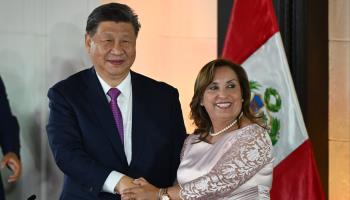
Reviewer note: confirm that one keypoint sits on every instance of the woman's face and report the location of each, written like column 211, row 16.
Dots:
column 222, row 98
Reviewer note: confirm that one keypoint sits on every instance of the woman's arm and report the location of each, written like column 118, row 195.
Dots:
column 251, row 152
column 242, row 161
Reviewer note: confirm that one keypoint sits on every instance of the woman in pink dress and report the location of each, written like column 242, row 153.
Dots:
column 229, row 155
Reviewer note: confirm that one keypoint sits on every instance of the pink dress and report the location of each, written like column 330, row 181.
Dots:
column 238, row 166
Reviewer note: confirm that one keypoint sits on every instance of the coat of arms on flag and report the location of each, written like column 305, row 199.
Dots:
column 268, row 102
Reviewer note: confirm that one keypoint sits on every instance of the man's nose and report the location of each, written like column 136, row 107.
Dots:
column 117, row 48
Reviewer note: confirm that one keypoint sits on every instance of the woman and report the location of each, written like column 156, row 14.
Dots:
column 229, row 156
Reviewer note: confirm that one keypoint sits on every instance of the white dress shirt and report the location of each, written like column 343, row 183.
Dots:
column 124, row 101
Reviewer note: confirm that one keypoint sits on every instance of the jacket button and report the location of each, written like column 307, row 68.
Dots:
column 91, row 189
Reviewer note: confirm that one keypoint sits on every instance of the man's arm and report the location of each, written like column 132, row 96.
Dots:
column 9, row 129
column 9, row 137
column 116, row 182
column 67, row 146
column 179, row 131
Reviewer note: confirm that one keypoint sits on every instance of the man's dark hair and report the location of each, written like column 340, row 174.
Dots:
column 115, row 12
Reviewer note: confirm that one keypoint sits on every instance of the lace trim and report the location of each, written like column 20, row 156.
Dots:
column 250, row 151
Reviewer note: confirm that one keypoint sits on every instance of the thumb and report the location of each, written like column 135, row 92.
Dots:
column 3, row 162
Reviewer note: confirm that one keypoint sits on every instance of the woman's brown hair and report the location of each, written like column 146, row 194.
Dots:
column 198, row 113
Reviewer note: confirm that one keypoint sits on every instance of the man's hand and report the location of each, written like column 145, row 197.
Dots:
column 124, row 183
column 12, row 161
column 145, row 191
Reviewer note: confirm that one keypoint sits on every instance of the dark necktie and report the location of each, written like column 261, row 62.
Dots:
column 114, row 93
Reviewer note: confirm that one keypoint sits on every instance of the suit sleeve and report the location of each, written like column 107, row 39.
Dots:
column 67, row 146
column 180, row 133
column 9, row 129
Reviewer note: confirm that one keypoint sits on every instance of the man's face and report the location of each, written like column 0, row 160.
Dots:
column 112, row 50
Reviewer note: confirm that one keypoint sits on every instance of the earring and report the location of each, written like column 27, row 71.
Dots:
column 242, row 100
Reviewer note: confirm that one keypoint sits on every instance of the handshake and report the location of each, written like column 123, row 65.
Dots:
column 137, row 189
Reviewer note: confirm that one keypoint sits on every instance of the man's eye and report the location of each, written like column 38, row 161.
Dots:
column 105, row 40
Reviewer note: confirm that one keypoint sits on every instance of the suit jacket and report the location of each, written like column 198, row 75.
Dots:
column 9, row 129
column 85, row 142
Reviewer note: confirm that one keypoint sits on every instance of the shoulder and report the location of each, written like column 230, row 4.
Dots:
column 2, row 87
column 252, row 132
column 253, row 128
column 189, row 141
column 74, row 83
column 74, row 79
column 191, row 138
column 151, row 84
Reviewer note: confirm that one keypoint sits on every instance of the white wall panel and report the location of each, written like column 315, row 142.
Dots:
column 42, row 42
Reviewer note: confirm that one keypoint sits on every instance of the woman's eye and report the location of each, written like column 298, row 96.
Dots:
column 231, row 86
column 212, row 87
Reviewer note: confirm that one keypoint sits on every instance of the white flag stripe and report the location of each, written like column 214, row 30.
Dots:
column 269, row 67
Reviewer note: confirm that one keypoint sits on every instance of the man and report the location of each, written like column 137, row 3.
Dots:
column 108, row 124
column 9, row 139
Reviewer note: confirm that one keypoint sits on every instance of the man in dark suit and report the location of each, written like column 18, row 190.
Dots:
column 9, row 139
column 108, row 124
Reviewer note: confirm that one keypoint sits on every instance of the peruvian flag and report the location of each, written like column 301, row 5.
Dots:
column 253, row 40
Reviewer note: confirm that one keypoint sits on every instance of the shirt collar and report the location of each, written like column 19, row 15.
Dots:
column 124, row 87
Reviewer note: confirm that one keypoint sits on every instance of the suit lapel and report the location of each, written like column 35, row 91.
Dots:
column 99, row 104
column 139, row 93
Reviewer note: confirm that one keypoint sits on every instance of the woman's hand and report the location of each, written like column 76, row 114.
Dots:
column 145, row 191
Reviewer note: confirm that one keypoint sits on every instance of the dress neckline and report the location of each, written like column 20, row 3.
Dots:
column 229, row 133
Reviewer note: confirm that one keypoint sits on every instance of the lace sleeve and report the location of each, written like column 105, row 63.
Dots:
column 249, row 152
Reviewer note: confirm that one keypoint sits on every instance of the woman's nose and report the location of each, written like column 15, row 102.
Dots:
column 222, row 92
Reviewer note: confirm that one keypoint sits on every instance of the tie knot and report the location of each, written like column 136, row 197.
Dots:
column 113, row 93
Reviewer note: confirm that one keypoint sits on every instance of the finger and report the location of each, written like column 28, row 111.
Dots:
column 16, row 172
column 131, row 190
column 128, row 196
column 143, row 179
column 12, row 165
column 15, row 168
column 140, row 181
column 13, row 177
column 3, row 162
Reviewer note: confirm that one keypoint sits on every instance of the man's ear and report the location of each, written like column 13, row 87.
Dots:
column 88, row 42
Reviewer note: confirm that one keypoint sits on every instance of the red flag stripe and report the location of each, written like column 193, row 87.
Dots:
column 252, row 24
column 296, row 176
column 257, row 23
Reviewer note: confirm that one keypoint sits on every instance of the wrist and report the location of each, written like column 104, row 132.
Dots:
column 117, row 188
column 163, row 194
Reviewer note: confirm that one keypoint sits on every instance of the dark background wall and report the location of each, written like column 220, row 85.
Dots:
column 304, row 30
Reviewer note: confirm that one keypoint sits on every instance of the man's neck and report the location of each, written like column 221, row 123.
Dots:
column 113, row 81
